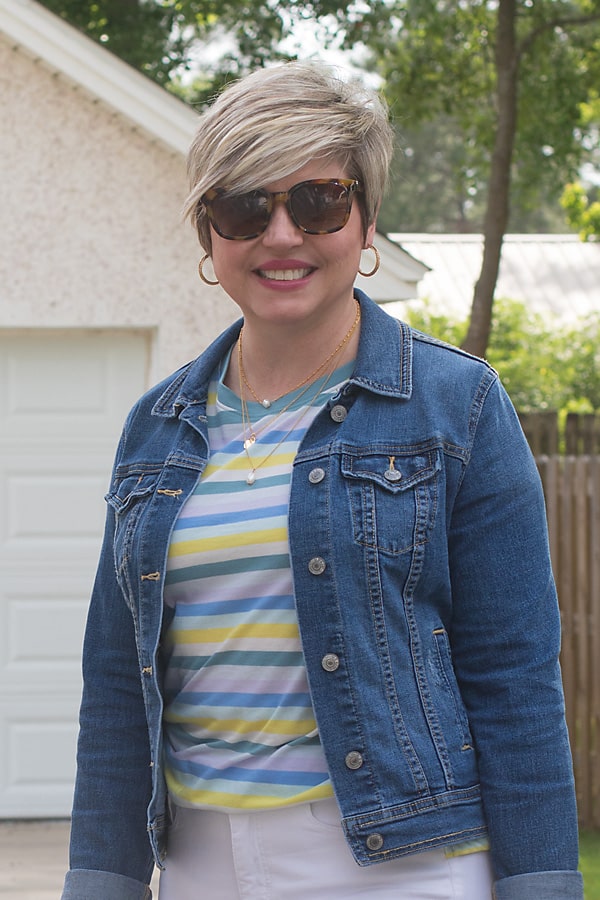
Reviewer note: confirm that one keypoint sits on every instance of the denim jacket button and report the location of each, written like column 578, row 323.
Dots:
column 330, row 662
column 392, row 475
column 375, row 841
column 354, row 760
column 338, row 413
column 316, row 475
column 316, row 566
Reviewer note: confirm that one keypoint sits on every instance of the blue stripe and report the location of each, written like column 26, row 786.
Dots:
column 237, row 698
column 250, row 776
column 225, row 607
column 225, row 416
column 228, row 517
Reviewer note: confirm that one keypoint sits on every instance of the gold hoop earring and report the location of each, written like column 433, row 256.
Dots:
column 377, row 263
column 201, row 272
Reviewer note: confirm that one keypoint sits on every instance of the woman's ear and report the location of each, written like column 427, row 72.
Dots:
column 370, row 235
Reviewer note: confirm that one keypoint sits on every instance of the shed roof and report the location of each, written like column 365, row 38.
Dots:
column 398, row 277
column 68, row 52
column 552, row 273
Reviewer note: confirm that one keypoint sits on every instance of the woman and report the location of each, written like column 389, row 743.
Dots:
column 321, row 654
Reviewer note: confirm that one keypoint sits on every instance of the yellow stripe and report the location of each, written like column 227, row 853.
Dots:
column 223, row 800
column 243, row 464
column 239, row 539
column 247, row 630
column 466, row 848
column 238, row 727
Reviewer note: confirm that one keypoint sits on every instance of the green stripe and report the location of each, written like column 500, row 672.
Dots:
column 275, row 658
column 231, row 567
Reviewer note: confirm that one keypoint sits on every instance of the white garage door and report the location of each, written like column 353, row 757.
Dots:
column 63, row 397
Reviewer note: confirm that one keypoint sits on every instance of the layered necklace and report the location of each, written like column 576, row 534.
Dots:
column 252, row 434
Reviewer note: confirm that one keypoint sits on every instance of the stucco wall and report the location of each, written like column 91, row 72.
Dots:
column 90, row 220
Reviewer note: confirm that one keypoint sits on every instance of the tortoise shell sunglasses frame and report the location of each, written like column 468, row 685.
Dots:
column 317, row 206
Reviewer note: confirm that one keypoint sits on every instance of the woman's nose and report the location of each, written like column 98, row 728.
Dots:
column 281, row 229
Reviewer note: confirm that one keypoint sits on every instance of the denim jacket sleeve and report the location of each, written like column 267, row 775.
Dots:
column 506, row 641
column 113, row 786
column 86, row 884
column 540, row 886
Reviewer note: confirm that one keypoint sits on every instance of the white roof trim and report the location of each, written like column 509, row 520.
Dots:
column 62, row 47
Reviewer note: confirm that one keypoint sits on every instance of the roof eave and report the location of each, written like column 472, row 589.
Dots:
column 66, row 50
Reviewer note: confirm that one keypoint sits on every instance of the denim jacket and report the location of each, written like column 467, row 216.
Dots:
column 427, row 613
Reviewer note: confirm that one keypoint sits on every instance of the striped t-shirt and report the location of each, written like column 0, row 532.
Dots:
column 239, row 725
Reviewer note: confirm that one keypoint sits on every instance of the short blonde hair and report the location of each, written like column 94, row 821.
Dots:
column 278, row 119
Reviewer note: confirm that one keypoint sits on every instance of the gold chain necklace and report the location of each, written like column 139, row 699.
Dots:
column 309, row 378
column 246, row 422
column 253, row 434
column 251, row 476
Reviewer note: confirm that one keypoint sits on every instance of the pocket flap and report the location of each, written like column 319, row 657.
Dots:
column 391, row 468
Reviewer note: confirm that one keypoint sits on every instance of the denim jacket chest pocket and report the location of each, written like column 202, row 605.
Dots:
column 393, row 493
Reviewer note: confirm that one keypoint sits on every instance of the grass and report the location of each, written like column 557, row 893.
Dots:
column 589, row 863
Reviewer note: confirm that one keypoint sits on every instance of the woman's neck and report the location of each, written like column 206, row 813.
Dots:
column 272, row 361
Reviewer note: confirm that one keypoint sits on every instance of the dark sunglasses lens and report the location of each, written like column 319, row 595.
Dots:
column 321, row 208
column 241, row 215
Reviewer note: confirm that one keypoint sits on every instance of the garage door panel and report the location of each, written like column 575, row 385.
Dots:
column 41, row 633
column 53, row 509
column 76, row 383
column 63, row 399
column 60, row 383
column 51, row 506
column 37, row 756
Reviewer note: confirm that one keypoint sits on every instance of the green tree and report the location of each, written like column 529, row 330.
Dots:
column 163, row 38
column 580, row 201
column 511, row 77
column 542, row 366
column 437, row 185
column 151, row 37
column 583, row 212
column 432, row 185
column 514, row 74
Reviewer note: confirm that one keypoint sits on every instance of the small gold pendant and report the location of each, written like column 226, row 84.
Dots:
column 249, row 441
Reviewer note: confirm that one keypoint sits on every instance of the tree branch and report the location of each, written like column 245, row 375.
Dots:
column 559, row 22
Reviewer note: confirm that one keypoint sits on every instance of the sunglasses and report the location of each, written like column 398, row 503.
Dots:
column 318, row 206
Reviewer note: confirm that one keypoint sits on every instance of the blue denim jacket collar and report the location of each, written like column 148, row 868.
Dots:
column 382, row 368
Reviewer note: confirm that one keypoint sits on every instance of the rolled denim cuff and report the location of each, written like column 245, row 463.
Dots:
column 540, row 886
column 89, row 884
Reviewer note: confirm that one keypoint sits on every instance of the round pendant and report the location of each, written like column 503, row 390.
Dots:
column 251, row 477
column 248, row 442
column 266, row 404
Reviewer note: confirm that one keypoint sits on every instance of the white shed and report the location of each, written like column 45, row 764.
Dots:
column 556, row 275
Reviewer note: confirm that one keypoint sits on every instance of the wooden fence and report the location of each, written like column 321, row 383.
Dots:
column 581, row 434
column 572, row 490
column 569, row 464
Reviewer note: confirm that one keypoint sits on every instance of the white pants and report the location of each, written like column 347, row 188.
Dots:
column 299, row 853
